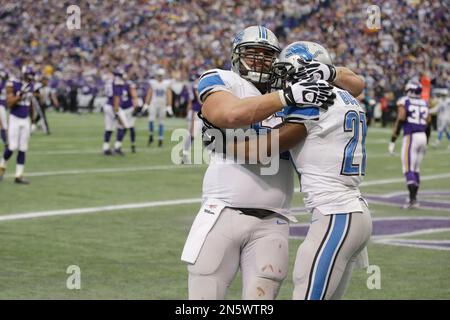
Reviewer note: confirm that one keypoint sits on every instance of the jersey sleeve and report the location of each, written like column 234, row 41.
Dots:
column 307, row 116
column 401, row 101
column 211, row 81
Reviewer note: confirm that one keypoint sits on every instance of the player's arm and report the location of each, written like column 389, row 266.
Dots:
column 348, row 80
column 169, row 97
column 148, row 99
column 11, row 98
column 341, row 77
column 401, row 117
column 289, row 135
column 54, row 99
column 134, row 97
column 225, row 110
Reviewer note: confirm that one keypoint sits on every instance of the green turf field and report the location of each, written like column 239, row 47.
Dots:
column 134, row 253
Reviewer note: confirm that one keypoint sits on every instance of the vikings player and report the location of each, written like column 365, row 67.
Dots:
column 19, row 97
column 113, row 90
column 414, row 117
column 128, row 107
column 3, row 115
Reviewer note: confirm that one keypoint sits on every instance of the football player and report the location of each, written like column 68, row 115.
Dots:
column 158, row 101
column 414, row 117
column 442, row 109
column 126, row 114
column 243, row 222
column 113, row 90
column 328, row 152
column 3, row 114
column 194, row 122
column 19, row 99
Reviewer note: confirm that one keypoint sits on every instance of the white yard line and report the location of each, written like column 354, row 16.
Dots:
column 397, row 180
column 38, row 214
column 66, row 212
column 106, row 170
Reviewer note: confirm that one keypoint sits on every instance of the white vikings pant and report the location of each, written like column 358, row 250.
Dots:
column 18, row 133
column 156, row 111
column 126, row 118
column 110, row 120
column 258, row 246
column 3, row 117
column 413, row 151
column 334, row 245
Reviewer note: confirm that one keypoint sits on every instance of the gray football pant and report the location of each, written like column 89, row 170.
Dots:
column 326, row 258
column 259, row 247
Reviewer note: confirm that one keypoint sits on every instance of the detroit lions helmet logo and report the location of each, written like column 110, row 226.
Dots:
column 238, row 38
column 300, row 50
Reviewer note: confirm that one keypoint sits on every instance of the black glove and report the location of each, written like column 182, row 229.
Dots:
column 136, row 111
column 301, row 94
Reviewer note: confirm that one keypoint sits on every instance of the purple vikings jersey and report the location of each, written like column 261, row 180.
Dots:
column 114, row 89
column 416, row 114
column 3, row 93
column 196, row 105
column 127, row 101
column 22, row 108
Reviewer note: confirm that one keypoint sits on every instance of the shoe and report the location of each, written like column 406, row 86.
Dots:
column 133, row 149
column 412, row 204
column 185, row 159
column 160, row 143
column 108, row 152
column 119, row 152
column 150, row 140
column 20, row 180
column 2, row 173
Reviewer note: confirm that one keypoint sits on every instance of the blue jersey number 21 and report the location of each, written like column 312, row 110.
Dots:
column 354, row 122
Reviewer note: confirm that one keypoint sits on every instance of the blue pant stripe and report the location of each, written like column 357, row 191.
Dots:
column 326, row 259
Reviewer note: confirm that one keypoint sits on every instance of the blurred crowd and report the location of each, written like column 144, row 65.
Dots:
column 186, row 37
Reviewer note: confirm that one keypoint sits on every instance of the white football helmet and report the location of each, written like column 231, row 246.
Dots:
column 290, row 59
column 254, row 50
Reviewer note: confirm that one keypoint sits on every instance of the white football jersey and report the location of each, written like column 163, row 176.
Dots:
column 332, row 159
column 159, row 97
column 242, row 185
column 443, row 108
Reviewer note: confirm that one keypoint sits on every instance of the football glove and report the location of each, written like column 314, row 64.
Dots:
column 144, row 107
column 302, row 94
column 314, row 70
column 169, row 110
column 391, row 148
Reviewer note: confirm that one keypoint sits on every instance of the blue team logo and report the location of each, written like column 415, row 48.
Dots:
column 299, row 50
column 238, row 38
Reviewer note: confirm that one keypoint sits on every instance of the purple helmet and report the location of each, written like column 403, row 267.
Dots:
column 28, row 72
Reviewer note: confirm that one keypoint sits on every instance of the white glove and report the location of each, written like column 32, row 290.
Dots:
column 145, row 107
column 169, row 110
column 304, row 94
column 391, row 148
column 314, row 70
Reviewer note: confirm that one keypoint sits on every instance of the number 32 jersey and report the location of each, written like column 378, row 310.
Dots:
column 416, row 114
column 331, row 160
